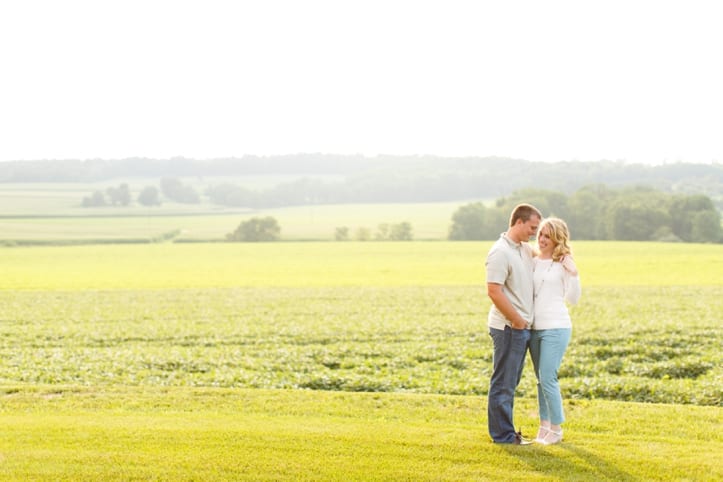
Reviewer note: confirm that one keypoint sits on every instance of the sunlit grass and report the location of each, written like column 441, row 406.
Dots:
column 610, row 263
column 160, row 266
column 216, row 434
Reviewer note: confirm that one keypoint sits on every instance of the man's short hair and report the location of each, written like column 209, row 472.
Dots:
column 524, row 212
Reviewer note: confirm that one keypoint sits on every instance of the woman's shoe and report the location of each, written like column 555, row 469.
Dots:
column 541, row 434
column 552, row 437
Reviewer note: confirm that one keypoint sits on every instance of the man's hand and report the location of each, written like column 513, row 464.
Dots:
column 498, row 297
column 515, row 326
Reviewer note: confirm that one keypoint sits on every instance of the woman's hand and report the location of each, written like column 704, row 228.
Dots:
column 569, row 264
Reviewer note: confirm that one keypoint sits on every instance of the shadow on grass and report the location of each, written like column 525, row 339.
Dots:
column 576, row 463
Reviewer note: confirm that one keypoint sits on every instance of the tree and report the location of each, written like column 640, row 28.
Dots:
column 550, row 203
column 175, row 190
column 363, row 234
column 149, row 196
column 705, row 227
column 382, row 232
column 96, row 199
column 256, row 230
column 587, row 208
column 119, row 195
column 682, row 211
column 468, row 222
column 401, row 232
column 630, row 219
column 341, row 233
column 394, row 232
column 475, row 221
column 232, row 195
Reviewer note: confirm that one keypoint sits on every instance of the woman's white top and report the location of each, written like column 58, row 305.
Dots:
column 553, row 286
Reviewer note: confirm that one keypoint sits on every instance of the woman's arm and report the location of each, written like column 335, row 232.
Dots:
column 572, row 280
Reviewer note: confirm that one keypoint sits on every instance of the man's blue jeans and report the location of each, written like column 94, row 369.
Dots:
column 510, row 347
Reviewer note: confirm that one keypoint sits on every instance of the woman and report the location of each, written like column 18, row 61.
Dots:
column 556, row 281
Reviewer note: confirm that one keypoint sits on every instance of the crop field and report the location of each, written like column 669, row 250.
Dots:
column 127, row 361
column 426, row 340
column 349, row 316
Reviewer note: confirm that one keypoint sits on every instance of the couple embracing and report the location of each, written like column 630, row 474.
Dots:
column 528, row 288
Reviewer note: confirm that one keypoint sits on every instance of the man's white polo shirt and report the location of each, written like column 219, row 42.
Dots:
column 510, row 265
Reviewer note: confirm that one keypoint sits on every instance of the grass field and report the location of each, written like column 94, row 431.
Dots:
column 245, row 361
column 332, row 264
column 221, row 434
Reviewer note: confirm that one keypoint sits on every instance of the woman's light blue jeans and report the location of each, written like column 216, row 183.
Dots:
column 546, row 350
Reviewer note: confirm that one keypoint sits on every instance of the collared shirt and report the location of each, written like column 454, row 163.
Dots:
column 510, row 265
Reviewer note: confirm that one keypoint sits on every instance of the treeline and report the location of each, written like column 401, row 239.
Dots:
column 172, row 188
column 362, row 179
column 487, row 180
column 598, row 212
column 593, row 213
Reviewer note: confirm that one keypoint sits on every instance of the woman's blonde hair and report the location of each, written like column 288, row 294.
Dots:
column 559, row 235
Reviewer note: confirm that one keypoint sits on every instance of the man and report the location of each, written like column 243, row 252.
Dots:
column 510, row 286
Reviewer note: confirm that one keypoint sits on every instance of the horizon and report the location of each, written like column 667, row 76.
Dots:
column 368, row 157
column 554, row 82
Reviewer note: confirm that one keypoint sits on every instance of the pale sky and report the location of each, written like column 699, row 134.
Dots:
column 539, row 80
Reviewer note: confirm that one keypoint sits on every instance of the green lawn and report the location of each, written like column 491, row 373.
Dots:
column 53, row 433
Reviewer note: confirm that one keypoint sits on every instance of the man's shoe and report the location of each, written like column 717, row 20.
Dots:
column 520, row 440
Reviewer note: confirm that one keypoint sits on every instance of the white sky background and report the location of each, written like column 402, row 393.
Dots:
column 537, row 80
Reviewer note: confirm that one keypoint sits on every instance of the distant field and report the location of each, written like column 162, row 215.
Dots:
column 52, row 212
column 429, row 221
